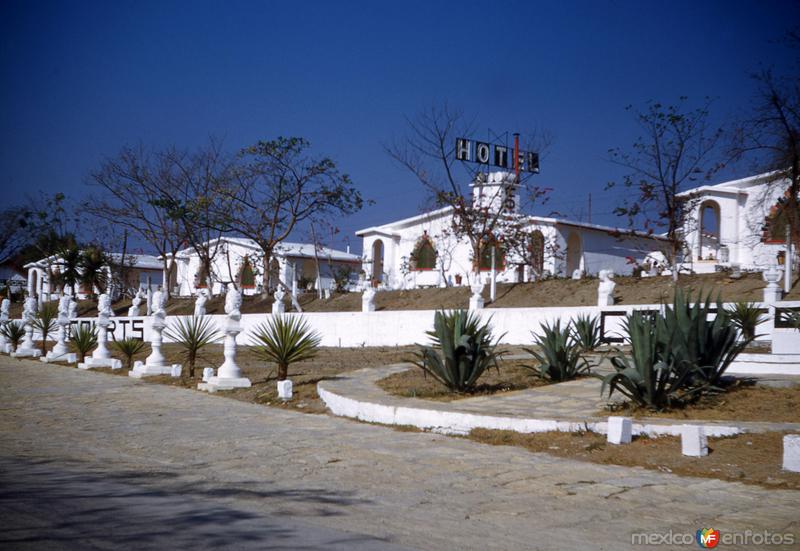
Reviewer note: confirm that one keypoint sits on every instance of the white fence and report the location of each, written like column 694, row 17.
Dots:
column 403, row 327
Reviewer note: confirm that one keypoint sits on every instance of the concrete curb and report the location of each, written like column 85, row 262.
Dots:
column 452, row 421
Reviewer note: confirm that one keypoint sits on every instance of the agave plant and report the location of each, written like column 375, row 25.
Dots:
column 45, row 321
column 193, row 333
column 559, row 356
column 586, row 331
column 14, row 332
column 83, row 338
column 691, row 339
column 461, row 350
column 285, row 340
column 746, row 316
column 128, row 347
column 648, row 378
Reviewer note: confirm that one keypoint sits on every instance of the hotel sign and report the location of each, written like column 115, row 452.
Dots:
column 496, row 155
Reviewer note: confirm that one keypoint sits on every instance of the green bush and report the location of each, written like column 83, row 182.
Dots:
column 45, row 321
column 461, row 350
column 560, row 358
column 691, row 339
column 675, row 356
column 746, row 317
column 586, row 331
column 129, row 347
column 192, row 333
column 14, row 332
column 285, row 340
column 83, row 338
column 647, row 377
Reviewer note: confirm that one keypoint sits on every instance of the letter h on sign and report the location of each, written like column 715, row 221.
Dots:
column 462, row 149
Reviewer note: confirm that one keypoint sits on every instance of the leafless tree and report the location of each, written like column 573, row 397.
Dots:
column 427, row 150
column 277, row 187
column 677, row 148
column 770, row 139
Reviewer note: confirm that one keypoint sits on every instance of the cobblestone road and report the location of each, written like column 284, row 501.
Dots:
column 233, row 462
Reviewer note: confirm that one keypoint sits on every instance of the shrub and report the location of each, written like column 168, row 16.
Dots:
column 14, row 332
column 647, row 378
column 129, row 347
column 83, row 338
column 461, row 350
column 560, row 357
column 746, row 317
column 691, row 339
column 586, row 331
column 285, row 340
column 192, row 333
column 45, row 321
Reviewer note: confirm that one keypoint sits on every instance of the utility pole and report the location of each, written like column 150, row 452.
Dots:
column 787, row 265
column 590, row 208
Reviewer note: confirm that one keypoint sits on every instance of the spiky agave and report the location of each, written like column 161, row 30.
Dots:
column 284, row 340
column 462, row 348
column 13, row 331
column 559, row 354
column 83, row 338
column 193, row 333
column 45, row 321
column 586, row 331
column 128, row 347
column 746, row 316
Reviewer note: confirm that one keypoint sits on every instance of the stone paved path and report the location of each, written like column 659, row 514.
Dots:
column 241, row 460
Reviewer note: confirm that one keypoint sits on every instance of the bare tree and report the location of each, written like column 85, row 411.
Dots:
column 676, row 149
column 13, row 238
column 278, row 186
column 428, row 152
column 770, row 138
column 140, row 193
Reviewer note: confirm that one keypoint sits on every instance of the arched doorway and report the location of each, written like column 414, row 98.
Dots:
column 574, row 252
column 536, row 251
column 708, row 236
column 377, row 262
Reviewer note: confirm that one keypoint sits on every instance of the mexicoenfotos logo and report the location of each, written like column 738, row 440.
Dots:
column 707, row 538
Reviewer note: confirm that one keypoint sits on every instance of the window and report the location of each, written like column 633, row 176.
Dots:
column 424, row 255
column 247, row 278
column 487, row 247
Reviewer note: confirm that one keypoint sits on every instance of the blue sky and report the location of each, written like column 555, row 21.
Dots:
column 81, row 79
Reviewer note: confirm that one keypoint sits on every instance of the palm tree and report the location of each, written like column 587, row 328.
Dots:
column 70, row 267
column 285, row 340
column 192, row 334
column 94, row 264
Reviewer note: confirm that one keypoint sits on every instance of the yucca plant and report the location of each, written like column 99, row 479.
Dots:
column 285, row 340
column 559, row 355
column 746, row 316
column 193, row 333
column 14, row 332
column 45, row 321
column 648, row 378
column 128, row 347
column 83, row 338
column 462, row 348
column 586, row 331
column 690, row 338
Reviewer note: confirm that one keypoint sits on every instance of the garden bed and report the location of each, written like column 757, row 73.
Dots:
column 415, row 383
column 747, row 458
column 742, row 402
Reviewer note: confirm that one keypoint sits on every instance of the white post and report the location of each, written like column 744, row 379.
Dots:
column 493, row 285
column 102, row 352
column 787, row 274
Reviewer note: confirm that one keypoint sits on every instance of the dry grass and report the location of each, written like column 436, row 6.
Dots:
column 748, row 458
column 415, row 383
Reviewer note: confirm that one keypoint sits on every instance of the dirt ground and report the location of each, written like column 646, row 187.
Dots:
column 415, row 383
column 742, row 402
column 552, row 292
column 748, row 458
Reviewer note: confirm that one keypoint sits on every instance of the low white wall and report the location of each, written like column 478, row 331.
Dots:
column 404, row 327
